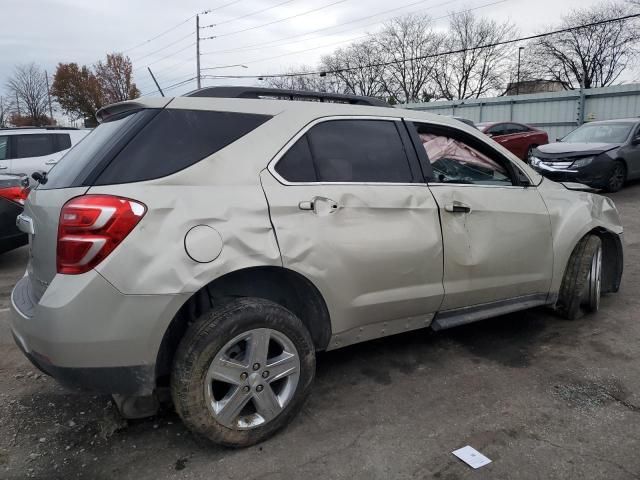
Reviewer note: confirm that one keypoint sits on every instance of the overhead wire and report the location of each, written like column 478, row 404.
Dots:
column 159, row 35
column 360, row 36
column 439, row 54
column 263, row 44
column 255, row 27
column 224, row 22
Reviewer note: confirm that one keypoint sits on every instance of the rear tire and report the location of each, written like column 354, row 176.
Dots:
column 617, row 177
column 581, row 286
column 242, row 372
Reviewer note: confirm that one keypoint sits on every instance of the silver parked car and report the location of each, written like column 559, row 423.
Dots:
column 213, row 245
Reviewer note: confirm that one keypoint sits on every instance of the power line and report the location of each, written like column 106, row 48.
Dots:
column 166, row 56
column 440, row 54
column 164, row 47
column 248, row 14
column 275, row 21
column 363, row 36
column 170, row 87
column 159, row 35
column 219, row 7
column 259, row 46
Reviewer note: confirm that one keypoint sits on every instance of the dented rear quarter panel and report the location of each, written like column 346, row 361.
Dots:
column 573, row 214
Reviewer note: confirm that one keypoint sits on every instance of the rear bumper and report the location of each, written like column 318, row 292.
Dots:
column 88, row 335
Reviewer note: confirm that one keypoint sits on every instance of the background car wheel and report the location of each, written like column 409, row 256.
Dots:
column 617, row 177
column 581, row 286
column 242, row 371
column 530, row 153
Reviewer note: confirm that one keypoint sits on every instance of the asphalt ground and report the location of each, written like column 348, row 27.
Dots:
column 542, row 397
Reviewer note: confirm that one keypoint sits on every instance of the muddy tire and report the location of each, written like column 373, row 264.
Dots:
column 242, row 372
column 581, row 285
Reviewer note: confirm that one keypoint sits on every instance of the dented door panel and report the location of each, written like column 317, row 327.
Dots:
column 500, row 248
column 375, row 257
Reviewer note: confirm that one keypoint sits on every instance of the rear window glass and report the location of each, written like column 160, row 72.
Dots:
column 177, row 139
column 77, row 165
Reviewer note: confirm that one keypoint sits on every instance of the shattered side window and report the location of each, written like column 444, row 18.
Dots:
column 454, row 161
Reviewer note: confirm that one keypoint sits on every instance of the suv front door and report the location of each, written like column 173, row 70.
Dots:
column 35, row 152
column 496, row 231
column 352, row 213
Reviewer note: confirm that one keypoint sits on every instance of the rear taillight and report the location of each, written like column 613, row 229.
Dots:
column 91, row 227
column 15, row 194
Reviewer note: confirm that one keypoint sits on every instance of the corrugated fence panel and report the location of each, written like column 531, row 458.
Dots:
column 555, row 112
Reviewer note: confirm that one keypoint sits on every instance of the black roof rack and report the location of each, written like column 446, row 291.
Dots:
column 279, row 94
column 44, row 127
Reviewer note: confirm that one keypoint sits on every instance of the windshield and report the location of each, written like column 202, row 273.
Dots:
column 600, row 133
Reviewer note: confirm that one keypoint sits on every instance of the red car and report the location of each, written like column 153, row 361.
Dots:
column 518, row 138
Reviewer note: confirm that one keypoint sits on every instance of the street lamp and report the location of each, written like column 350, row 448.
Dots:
column 518, row 74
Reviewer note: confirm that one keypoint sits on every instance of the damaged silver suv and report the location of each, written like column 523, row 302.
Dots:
column 213, row 243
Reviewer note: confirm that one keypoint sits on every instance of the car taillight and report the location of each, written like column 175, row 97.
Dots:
column 91, row 227
column 15, row 194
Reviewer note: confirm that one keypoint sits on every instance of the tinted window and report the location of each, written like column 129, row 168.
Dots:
column 516, row 128
column 297, row 165
column 79, row 163
column 456, row 160
column 359, row 151
column 174, row 140
column 36, row 145
column 4, row 143
column 64, row 141
column 498, row 129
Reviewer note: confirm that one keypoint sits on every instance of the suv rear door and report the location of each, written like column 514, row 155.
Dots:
column 495, row 228
column 352, row 213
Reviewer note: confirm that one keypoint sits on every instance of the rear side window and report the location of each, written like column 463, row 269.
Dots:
column 64, row 141
column 348, row 151
column 36, row 145
column 4, row 144
column 174, row 140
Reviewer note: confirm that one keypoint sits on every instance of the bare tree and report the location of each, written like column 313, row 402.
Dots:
column 357, row 69
column 593, row 56
column 407, row 77
column 115, row 78
column 6, row 109
column 303, row 78
column 29, row 86
column 476, row 68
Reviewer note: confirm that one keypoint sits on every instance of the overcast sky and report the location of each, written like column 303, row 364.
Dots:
column 83, row 31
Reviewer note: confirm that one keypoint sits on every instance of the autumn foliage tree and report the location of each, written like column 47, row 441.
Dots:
column 81, row 90
column 115, row 78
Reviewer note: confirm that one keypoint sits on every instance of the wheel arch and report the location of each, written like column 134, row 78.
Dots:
column 612, row 259
column 277, row 284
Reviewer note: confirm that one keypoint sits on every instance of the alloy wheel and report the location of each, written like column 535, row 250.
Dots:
column 252, row 378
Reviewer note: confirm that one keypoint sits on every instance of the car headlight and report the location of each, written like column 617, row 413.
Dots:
column 582, row 162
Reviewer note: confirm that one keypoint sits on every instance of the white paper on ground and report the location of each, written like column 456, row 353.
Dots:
column 471, row 456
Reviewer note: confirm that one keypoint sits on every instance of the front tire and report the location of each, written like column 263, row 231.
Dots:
column 529, row 153
column 581, row 286
column 242, row 372
column 617, row 177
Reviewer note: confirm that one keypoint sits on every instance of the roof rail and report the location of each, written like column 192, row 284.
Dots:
column 44, row 127
column 281, row 94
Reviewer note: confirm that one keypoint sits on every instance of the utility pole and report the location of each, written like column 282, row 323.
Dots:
column 198, row 50
column 46, row 76
column 155, row 81
column 518, row 75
